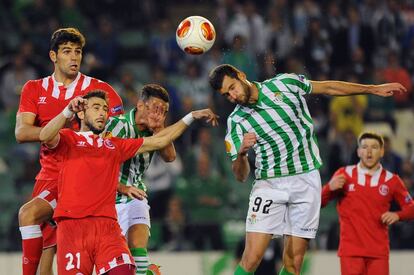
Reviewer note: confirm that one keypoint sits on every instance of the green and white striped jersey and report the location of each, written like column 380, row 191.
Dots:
column 286, row 142
column 132, row 171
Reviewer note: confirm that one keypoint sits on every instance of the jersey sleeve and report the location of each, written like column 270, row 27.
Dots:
column 63, row 143
column 327, row 194
column 404, row 200
column 297, row 83
column 116, row 106
column 115, row 128
column 28, row 98
column 233, row 139
column 127, row 147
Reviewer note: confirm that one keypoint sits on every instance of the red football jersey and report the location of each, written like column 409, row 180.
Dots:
column 89, row 174
column 361, row 202
column 46, row 98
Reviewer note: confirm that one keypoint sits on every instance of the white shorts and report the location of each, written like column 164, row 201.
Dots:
column 286, row 206
column 133, row 212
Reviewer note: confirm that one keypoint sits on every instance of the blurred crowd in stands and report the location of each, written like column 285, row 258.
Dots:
column 196, row 202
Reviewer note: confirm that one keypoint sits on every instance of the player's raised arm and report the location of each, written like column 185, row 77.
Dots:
column 49, row 133
column 340, row 88
column 171, row 133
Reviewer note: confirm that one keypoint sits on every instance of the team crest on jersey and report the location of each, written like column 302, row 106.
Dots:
column 252, row 219
column 383, row 189
column 278, row 96
column 108, row 144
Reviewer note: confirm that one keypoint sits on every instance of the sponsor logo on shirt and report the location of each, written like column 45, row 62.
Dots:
column 42, row 100
column 116, row 109
column 81, row 144
column 383, row 189
column 108, row 144
column 408, row 198
column 351, row 187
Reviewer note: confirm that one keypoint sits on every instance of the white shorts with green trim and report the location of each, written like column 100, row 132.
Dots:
column 286, row 206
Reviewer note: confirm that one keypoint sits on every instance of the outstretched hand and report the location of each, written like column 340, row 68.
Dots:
column 78, row 104
column 388, row 89
column 206, row 114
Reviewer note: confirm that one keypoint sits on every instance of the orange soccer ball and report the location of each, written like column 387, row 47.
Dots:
column 195, row 35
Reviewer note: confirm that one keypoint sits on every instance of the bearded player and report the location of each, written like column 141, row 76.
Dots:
column 40, row 101
column 88, row 234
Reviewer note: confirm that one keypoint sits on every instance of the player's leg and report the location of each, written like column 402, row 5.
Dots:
column 265, row 218
column 138, row 234
column 302, row 218
column 352, row 266
column 31, row 215
column 293, row 254
column 46, row 261
column 256, row 245
column 377, row 266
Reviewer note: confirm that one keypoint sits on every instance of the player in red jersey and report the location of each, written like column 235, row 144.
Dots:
column 40, row 101
column 88, row 233
column 365, row 192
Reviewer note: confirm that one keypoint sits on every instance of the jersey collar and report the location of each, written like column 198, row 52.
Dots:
column 365, row 171
column 72, row 84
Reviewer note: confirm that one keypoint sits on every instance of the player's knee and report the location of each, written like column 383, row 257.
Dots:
column 32, row 213
column 250, row 261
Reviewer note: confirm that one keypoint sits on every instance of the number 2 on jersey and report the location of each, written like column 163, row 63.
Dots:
column 70, row 264
column 258, row 202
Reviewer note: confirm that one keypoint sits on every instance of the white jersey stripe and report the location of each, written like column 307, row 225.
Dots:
column 45, row 83
column 86, row 82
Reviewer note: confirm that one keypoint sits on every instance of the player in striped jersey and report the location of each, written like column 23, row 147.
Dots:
column 131, row 205
column 272, row 118
column 40, row 101
column 365, row 192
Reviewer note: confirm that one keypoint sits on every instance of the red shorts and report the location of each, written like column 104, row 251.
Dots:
column 83, row 243
column 364, row 266
column 47, row 190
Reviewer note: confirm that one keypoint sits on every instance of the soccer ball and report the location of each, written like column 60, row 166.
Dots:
column 195, row 35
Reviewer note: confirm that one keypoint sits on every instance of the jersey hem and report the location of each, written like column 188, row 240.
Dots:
column 282, row 176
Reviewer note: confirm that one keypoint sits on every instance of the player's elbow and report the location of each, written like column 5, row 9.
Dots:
column 170, row 158
column 19, row 135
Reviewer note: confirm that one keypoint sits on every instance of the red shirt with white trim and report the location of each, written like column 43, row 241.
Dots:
column 46, row 98
column 361, row 202
column 89, row 174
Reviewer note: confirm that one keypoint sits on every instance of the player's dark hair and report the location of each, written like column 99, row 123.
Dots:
column 62, row 36
column 93, row 93
column 154, row 90
column 96, row 93
column 217, row 75
column 369, row 135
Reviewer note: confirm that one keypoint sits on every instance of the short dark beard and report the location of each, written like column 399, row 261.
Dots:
column 248, row 94
column 92, row 128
